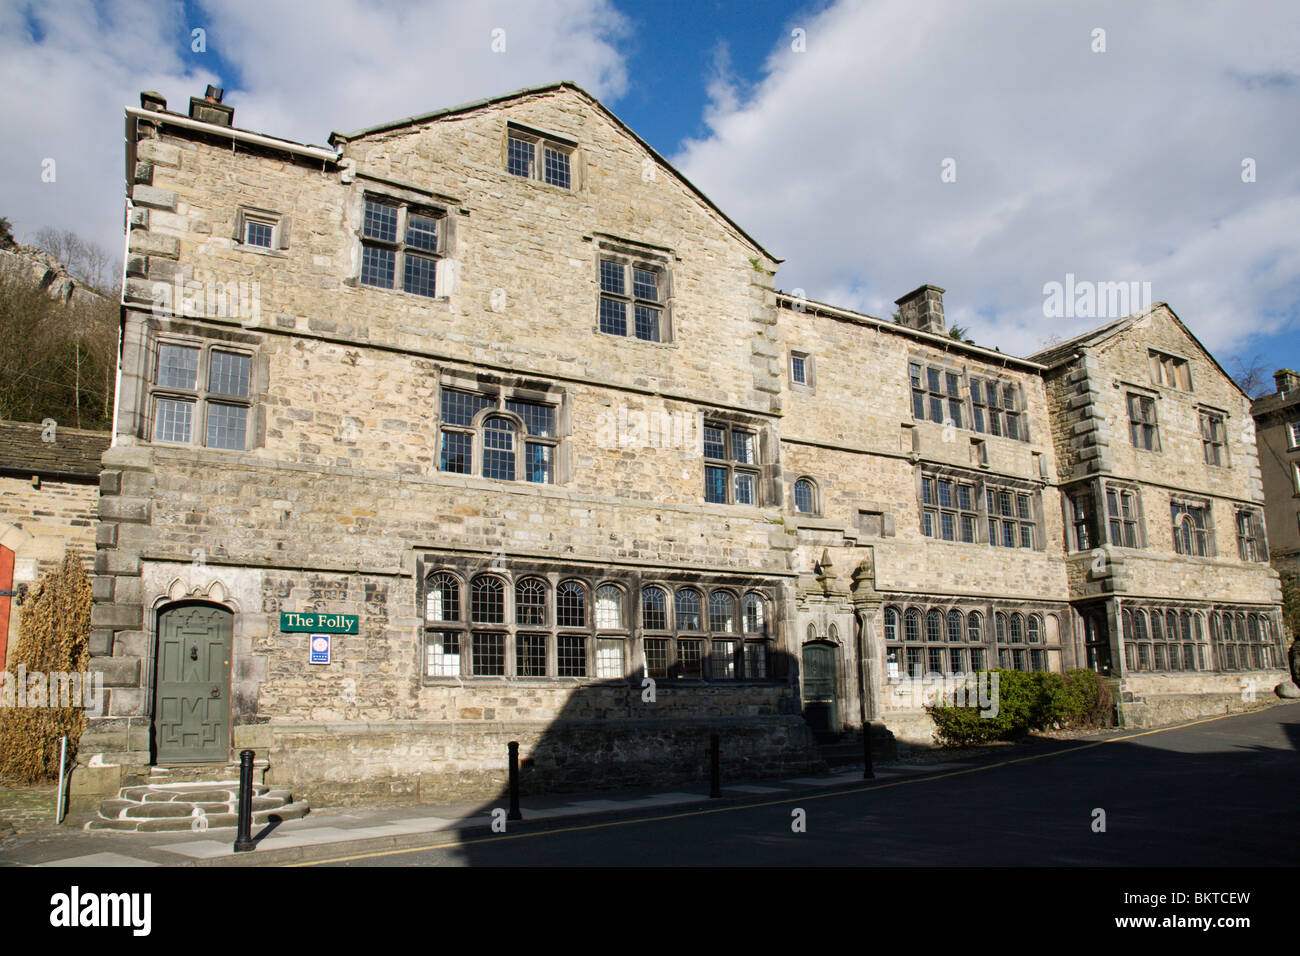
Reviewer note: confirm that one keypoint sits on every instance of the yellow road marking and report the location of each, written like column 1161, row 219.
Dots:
column 802, row 798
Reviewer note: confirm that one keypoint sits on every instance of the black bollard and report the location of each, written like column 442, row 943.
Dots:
column 514, row 813
column 243, row 835
column 867, row 772
column 715, row 771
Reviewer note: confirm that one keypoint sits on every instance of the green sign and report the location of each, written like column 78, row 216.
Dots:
column 317, row 621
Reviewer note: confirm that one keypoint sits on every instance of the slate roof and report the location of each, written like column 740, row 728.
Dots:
column 74, row 453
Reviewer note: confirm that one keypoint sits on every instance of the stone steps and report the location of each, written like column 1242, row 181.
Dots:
column 196, row 806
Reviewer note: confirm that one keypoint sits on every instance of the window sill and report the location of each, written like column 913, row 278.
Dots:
column 358, row 284
column 670, row 344
column 261, row 250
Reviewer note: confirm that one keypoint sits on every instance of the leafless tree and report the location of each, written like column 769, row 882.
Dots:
column 87, row 262
column 1252, row 376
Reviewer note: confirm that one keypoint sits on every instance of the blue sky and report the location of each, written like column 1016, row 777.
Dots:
column 1116, row 164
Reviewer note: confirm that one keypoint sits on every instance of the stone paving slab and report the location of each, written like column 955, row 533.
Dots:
column 100, row 859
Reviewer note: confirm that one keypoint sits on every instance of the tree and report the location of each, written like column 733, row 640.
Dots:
column 87, row 262
column 1252, row 376
column 6, row 234
column 56, row 359
column 54, row 638
column 959, row 332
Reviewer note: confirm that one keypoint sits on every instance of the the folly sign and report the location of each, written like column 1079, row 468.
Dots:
column 317, row 621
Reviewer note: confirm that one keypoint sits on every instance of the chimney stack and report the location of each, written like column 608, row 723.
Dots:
column 154, row 102
column 1287, row 381
column 210, row 109
column 923, row 309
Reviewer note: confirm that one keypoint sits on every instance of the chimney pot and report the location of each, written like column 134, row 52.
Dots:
column 923, row 309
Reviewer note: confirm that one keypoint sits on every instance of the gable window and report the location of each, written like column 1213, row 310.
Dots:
column 520, row 443
column 730, row 464
column 1122, row 517
column 400, row 239
column 1191, row 523
column 201, row 396
column 1213, row 439
column 1143, row 428
column 1250, row 535
column 635, row 290
column 1169, row 371
column 532, row 156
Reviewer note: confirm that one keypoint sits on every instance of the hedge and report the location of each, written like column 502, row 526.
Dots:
column 1026, row 701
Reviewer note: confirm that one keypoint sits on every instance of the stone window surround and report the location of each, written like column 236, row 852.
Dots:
column 818, row 502
column 631, row 254
column 1256, row 539
column 1139, row 629
column 1190, row 503
column 541, row 138
column 280, row 229
column 946, row 365
column 174, row 332
column 503, row 389
column 1122, row 488
column 630, row 583
column 983, row 481
column 1263, row 632
column 1207, row 413
column 426, row 203
column 1161, row 362
column 988, row 642
column 766, row 471
column 809, row 384
column 1136, row 395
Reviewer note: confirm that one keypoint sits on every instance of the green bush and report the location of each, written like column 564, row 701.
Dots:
column 1025, row 702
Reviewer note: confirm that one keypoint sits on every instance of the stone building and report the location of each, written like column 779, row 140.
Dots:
column 1277, row 431
column 503, row 423
column 49, row 477
column 1165, row 544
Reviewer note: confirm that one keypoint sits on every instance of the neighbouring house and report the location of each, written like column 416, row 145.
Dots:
column 1277, row 430
column 49, row 498
column 487, row 425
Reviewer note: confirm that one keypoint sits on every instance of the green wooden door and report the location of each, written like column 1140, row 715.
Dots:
column 192, row 706
column 820, row 706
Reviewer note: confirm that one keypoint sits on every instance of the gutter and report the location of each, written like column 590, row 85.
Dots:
column 239, row 135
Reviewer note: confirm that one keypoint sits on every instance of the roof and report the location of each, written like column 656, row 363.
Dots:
column 74, row 453
column 1059, row 353
column 947, row 342
column 337, row 138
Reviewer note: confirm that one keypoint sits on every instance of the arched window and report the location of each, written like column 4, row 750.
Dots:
column 1000, row 625
column 1187, row 625
column 954, row 626
column 1252, row 623
column 722, row 612
column 442, row 597
column 933, row 626
column 891, row 624
column 805, row 497
column 609, row 608
column 487, row 600
column 1035, row 629
column 530, row 602
column 688, row 609
column 812, row 632
column 975, row 627
column 571, row 604
column 1140, row 625
column 912, row 625
column 1017, row 629
column 499, row 448
column 654, row 609
column 753, row 614
column 1158, row 627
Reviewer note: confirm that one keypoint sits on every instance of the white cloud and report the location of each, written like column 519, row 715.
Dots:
column 1115, row 166
column 67, row 69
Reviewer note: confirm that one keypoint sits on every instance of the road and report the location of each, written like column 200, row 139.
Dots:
column 1214, row 793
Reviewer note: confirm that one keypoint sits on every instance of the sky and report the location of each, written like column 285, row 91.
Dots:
column 990, row 148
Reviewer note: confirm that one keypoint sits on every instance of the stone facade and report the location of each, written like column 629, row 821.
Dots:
column 591, row 484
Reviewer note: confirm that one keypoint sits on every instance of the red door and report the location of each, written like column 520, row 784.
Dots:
column 6, row 584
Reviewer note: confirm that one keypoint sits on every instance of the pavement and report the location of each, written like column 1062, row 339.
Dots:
column 333, row 832
column 329, row 832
